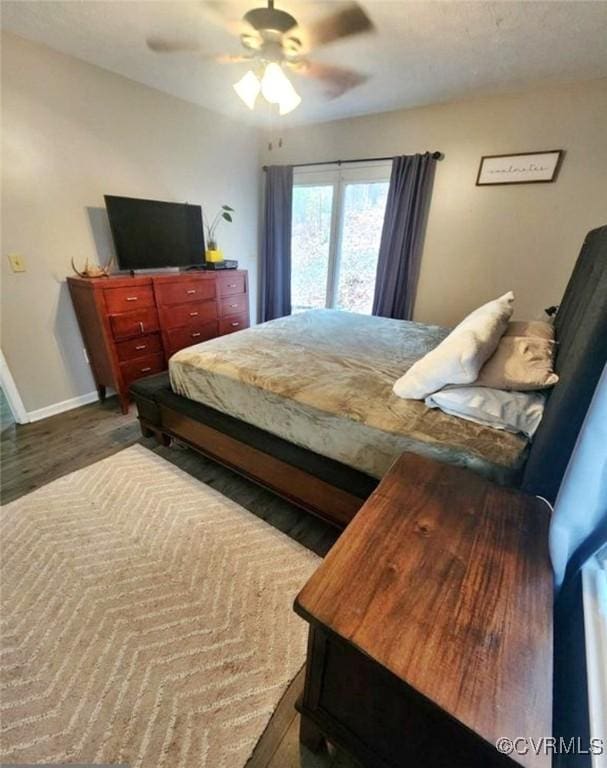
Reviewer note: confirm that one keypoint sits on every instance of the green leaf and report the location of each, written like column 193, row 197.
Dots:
column 226, row 216
column 227, row 208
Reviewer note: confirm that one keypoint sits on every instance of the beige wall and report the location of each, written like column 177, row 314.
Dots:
column 482, row 241
column 72, row 132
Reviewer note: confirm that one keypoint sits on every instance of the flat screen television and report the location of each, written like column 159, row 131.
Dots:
column 151, row 234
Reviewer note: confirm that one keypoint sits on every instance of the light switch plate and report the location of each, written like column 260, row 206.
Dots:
column 17, row 262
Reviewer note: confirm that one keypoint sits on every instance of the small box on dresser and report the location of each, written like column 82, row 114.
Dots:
column 132, row 325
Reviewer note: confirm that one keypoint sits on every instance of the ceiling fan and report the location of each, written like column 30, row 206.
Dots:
column 274, row 42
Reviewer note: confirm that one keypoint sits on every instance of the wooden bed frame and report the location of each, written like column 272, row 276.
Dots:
column 321, row 486
column 292, row 483
column 335, row 492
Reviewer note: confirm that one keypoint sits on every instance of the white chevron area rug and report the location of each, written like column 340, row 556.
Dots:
column 147, row 620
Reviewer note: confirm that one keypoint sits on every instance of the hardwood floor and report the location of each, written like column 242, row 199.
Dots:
column 35, row 454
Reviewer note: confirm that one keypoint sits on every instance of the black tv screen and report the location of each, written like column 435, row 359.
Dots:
column 150, row 234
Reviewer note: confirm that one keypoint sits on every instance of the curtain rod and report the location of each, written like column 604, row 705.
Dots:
column 436, row 155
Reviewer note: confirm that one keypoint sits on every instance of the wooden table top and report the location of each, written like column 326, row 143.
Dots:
column 444, row 579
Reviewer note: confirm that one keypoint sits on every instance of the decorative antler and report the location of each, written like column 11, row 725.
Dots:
column 95, row 270
column 108, row 266
column 80, row 274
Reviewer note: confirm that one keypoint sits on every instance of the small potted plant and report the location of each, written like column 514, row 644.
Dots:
column 224, row 214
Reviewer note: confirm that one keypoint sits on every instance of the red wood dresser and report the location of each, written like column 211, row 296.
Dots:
column 431, row 626
column 132, row 325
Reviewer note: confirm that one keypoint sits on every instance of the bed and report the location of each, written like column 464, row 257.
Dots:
column 323, row 380
column 304, row 404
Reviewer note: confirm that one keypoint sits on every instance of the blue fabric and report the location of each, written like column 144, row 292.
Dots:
column 276, row 243
column 402, row 235
column 579, row 523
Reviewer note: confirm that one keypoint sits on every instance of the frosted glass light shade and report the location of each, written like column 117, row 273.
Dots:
column 275, row 87
column 248, row 88
column 274, row 83
column 289, row 101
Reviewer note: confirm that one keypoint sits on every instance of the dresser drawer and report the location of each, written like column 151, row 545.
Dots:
column 186, row 337
column 231, row 324
column 127, row 299
column 190, row 315
column 146, row 345
column 228, row 285
column 131, row 324
column 184, row 290
column 143, row 366
column 234, row 305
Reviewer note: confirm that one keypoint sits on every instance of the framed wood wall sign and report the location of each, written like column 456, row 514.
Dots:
column 521, row 168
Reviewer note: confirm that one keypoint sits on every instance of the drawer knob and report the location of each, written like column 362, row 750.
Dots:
column 235, row 325
column 231, row 285
column 132, row 298
column 193, row 314
column 196, row 335
column 192, row 290
column 233, row 305
column 141, row 346
column 141, row 327
column 145, row 370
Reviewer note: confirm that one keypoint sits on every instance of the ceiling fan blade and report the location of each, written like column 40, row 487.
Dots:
column 337, row 80
column 160, row 45
column 350, row 20
column 222, row 14
column 164, row 45
column 227, row 59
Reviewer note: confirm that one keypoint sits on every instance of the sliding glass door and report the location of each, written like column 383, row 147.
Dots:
column 311, row 245
column 362, row 216
column 337, row 222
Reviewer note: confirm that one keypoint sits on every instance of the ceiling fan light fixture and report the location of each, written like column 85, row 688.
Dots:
column 248, row 88
column 274, row 43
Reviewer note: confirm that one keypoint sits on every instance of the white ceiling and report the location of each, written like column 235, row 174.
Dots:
column 421, row 52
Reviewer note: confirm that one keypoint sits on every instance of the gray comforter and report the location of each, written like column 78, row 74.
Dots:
column 323, row 380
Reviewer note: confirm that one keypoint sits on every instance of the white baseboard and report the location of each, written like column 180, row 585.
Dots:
column 64, row 405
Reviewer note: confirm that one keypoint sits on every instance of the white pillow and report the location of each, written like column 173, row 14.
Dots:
column 511, row 411
column 460, row 356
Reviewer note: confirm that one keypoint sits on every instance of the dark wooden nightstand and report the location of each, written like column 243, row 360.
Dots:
column 431, row 625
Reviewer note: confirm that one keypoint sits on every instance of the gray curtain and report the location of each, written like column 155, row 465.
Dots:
column 276, row 243
column 402, row 235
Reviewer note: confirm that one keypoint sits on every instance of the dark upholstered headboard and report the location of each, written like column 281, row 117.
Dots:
column 581, row 333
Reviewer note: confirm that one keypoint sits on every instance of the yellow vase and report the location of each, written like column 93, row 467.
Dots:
column 214, row 255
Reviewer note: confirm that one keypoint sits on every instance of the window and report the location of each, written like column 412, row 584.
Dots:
column 337, row 222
